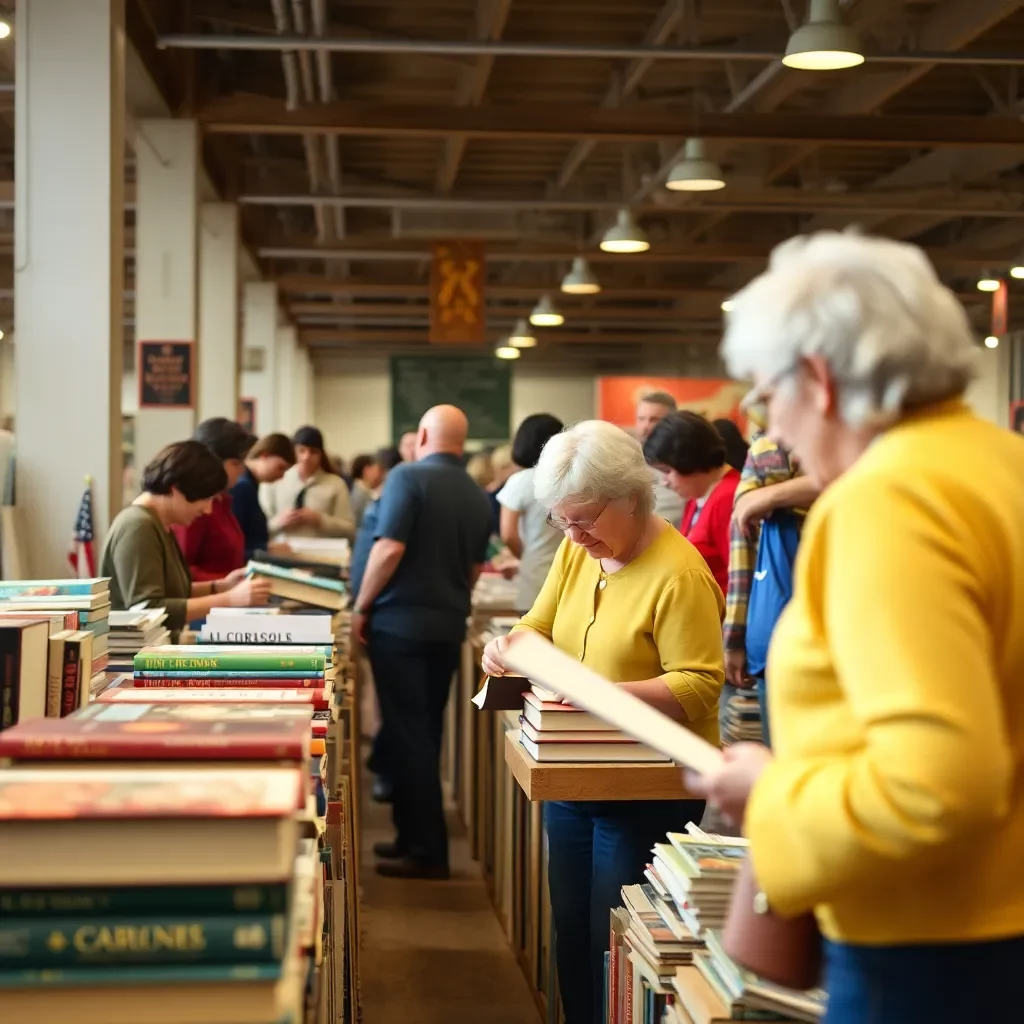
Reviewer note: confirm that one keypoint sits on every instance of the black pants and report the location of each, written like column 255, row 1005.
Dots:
column 413, row 678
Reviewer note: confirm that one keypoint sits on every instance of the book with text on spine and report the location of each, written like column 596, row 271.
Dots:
column 210, row 658
column 318, row 699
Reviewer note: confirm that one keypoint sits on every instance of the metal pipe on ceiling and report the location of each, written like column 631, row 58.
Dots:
column 485, row 48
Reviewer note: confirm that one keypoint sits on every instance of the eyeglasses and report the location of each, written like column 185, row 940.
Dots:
column 580, row 524
column 758, row 397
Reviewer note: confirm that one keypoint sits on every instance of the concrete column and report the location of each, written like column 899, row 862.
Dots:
column 166, row 263
column 302, row 386
column 69, row 269
column 218, row 310
column 284, row 380
column 259, row 334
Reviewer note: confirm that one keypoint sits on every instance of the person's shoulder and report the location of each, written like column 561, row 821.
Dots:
column 133, row 521
column 674, row 555
column 518, row 490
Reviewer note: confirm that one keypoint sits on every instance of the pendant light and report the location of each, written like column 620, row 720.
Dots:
column 545, row 315
column 727, row 305
column 581, row 279
column 1017, row 270
column 988, row 282
column 625, row 235
column 695, row 172
column 991, row 341
column 504, row 351
column 522, row 336
column 823, row 42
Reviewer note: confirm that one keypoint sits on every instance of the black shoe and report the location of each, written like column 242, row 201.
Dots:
column 383, row 792
column 388, row 851
column 409, row 868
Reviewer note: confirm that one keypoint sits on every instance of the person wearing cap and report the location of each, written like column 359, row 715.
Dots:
column 214, row 544
column 310, row 500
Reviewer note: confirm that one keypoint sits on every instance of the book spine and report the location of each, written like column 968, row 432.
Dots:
column 109, row 941
column 54, row 676
column 172, row 748
column 613, row 980
column 10, row 677
column 70, row 679
column 236, row 678
column 229, row 662
column 73, row 588
column 238, row 636
column 152, row 974
column 628, row 994
column 205, row 900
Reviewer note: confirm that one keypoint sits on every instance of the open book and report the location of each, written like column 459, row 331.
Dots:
column 542, row 662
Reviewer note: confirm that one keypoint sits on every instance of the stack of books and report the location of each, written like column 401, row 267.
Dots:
column 553, row 731
column 303, row 587
column 130, row 631
column 742, row 719
column 267, row 626
column 184, row 901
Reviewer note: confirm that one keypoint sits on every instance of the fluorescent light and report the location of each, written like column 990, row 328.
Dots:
column 625, row 235
column 695, row 172
column 988, row 282
column 522, row 336
column 991, row 341
column 823, row 42
column 727, row 305
column 580, row 280
column 507, row 352
column 545, row 315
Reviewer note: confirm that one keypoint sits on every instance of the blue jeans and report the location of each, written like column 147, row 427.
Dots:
column 594, row 849
column 947, row 983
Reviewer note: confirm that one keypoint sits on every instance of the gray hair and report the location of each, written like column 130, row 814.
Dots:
column 660, row 398
column 892, row 334
column 593, row 461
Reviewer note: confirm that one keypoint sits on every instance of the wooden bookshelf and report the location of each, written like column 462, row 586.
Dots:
column 591, row 781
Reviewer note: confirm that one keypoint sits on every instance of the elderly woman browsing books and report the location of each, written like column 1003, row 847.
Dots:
column 141, row 556
column 893, row 801
column 630, row 597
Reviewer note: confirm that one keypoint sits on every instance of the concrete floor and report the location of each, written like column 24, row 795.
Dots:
column 433, row 952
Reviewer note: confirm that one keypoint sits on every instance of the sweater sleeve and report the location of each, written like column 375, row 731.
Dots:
column 688, row 635
column 339, row 521
column 904, row 617
column 139, row 565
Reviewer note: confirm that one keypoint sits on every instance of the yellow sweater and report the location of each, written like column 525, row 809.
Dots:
column 658, row 616
column 895, row 805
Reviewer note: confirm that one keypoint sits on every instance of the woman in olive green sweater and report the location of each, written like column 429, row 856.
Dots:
column 141, row 556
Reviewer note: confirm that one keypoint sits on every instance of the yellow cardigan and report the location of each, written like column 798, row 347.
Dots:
column 660, row 615
column 895, row 804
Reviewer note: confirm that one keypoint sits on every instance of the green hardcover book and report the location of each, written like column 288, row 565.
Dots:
column 111, row 941
column 160, row 974
column 210, row 658
column 208, row 900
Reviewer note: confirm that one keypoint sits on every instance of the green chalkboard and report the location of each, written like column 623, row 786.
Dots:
column 478, row 385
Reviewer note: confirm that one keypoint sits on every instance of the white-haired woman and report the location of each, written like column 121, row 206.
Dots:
column 894, row 803
column 630, row 597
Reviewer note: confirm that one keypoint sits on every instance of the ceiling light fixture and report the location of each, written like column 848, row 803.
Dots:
column 1017, row 270
column 545, row 315
column 695, row 172
column 625, row 235
column 5, row 28
column 991, row 341
column 581, row 279
column 522, row 336
column 823, row 42
column 988, row 282
column 727, row 305
column 507, row 352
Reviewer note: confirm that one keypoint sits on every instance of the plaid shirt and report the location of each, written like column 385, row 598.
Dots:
column 766, row 464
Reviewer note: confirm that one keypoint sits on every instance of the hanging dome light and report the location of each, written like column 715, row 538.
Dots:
column 988, row 282
column 625, row 235
column 504, row 351
column 522, row 336
column 695, row 172
column 727, row 305
column 545, row 315
column 1017, row 270
column 581, row 279
column 991, row 341
column 823, row 42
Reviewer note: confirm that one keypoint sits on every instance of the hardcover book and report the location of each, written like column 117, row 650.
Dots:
column 319, row 699
column 210, row 658
column 53, row 588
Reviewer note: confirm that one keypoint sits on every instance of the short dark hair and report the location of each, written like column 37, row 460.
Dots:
column 736, row 446
column 225, row 438
column 533, row 433
column 388, row 458
column 687, row 443
column 274, row 444
column 360, row 464
column 188, row 466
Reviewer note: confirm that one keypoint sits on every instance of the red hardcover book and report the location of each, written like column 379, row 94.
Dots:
column 318, row 699
column 158, row 682
column 166, row 732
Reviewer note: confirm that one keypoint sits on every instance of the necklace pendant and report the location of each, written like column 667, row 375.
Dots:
column 602, row 584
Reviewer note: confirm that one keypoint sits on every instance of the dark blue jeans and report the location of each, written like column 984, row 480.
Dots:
column 594, row 849
column 948, row 983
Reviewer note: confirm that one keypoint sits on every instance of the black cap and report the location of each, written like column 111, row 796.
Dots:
column 309, row 437
column 225, row 438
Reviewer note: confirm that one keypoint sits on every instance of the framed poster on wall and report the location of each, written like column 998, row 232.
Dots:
column 166, row 371
column 713, row 398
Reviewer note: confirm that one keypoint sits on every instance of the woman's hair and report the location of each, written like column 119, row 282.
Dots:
column 311, row 437
column 501, row 458
column 188, row 466
column 480, row 469
column 388, row 458
column 360, row 464
column 533, row 433
column 593, row 461
column 893, row 336
column 279, row 445
column 685, row 442
column 225, row 438
column 736, row 446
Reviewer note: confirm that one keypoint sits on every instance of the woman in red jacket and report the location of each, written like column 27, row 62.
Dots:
column 691, row 454
column 214, row 544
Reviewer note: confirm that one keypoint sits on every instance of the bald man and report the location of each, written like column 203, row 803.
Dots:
column 431, row 537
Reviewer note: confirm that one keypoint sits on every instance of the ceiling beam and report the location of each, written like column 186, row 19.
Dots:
column 258, row 115
column 412, row 336
column 376, row 310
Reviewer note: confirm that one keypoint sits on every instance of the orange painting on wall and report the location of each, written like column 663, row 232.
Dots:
column 714, row 399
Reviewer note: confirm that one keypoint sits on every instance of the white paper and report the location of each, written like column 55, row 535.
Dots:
column 539, row 659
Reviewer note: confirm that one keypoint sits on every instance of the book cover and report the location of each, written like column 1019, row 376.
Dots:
column 152, row 974
column 234, row 680
column 295, row 576
column 58, row 794
column 53, row 588
column 24, row 647
column 184, row 658
column 162, row 732
column 319, row 699
column 138, row 900
column 502, row 693
column 174, row 938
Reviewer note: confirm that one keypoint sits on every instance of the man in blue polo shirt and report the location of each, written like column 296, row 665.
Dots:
column 433, row 527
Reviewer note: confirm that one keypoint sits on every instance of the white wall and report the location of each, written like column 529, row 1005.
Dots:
column 989, row 395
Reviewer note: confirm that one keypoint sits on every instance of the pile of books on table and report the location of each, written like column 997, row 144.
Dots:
column 300, row 586
column 191, row 896
column 130, row 631
column 741, row 722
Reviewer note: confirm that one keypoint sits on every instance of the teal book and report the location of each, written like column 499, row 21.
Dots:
column 132, row 901
column 295, row 576
column 11, row 589
column 153, row 939
column 185, row 974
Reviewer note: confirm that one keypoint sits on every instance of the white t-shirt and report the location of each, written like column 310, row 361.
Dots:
column 667, row 503
column 540, row 541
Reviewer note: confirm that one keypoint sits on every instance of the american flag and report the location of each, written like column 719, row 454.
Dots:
column 81, row 556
